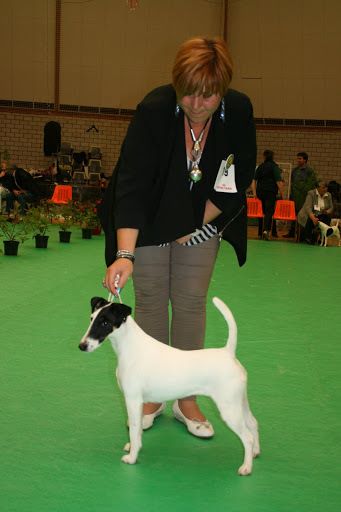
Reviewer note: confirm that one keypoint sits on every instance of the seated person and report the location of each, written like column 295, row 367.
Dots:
column 21, row 186
column 318, row 206
column 3, row 190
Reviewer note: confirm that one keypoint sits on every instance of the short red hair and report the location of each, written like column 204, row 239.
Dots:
column 202, row 66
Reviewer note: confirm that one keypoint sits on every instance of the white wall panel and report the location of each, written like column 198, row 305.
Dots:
column 27, row 57
column 294, row 47
column 129, row 52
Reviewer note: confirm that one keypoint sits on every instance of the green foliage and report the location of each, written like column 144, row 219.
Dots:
column 86, row 215
column 64, row 215
column 14, row 229
column 38, row 219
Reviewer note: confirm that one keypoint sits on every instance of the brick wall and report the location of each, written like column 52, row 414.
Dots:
column 22, row 136
column 322, row 146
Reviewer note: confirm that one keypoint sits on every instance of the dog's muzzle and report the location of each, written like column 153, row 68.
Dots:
column 88, row 344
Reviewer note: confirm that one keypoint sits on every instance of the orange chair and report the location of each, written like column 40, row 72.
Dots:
column 62, row 194
column 285, row 210
column 254, row 208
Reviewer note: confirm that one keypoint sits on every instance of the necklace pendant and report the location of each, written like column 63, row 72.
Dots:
column 196, row 154
column 196, row 151
column 195, row 173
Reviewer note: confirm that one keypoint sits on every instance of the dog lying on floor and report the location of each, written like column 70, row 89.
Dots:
column 328, row 232
column 150, row 371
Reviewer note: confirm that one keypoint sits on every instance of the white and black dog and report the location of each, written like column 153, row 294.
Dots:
column 328, row 232
column 150, row 371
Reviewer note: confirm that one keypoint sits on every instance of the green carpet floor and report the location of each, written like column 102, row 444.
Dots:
column 63, row 418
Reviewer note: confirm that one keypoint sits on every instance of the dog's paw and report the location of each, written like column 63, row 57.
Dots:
column 244, row 470
column 126, row 447
column 128, row 459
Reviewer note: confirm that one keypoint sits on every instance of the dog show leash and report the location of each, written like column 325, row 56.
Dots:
column 112, row 296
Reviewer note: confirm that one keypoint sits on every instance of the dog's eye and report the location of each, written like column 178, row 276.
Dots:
column 105, row 323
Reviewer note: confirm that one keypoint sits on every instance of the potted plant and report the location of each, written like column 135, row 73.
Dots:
column 98, row 229
column 87, row 218
column 64, row 218
column 13, row 231
column 40, row 222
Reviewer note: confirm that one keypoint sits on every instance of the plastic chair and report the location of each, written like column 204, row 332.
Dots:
column 285, row 210
column 95, row 165
column 62, row 194
column 78, row 177
column 94, row 178
column 95, row 153
column 254, row 208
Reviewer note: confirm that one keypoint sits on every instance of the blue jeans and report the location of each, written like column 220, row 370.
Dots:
column 23, row 199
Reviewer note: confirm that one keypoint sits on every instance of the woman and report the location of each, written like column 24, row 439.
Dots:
column 162, row 210
column 266, row 184
column 318, row 207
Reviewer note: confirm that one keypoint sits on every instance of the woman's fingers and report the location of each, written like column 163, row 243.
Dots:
column 118, row 274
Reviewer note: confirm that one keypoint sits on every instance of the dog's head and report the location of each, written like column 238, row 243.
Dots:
column 105, row 318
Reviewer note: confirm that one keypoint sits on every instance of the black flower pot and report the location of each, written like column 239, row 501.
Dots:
column 41, row 241
column 11, row 247
column 86, row 233
column 64, row 236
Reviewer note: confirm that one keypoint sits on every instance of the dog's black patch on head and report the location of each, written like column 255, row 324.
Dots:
column 329, row 232
column 108, row 319
column 119, row 313
column 97, row 302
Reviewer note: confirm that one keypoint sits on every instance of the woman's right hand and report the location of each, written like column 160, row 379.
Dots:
column 117, row 274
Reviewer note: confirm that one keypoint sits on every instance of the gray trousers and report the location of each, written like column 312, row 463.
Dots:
column 179, row 275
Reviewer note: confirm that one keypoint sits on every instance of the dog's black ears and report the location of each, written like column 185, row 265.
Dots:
column 97, row 302
column 120, row 309
column 123, row 310
column 118, row 314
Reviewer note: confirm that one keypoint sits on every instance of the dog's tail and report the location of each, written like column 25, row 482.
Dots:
column 225, row 311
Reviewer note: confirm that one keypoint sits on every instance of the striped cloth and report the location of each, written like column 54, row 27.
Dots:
column 202, row 235
column 199, row 236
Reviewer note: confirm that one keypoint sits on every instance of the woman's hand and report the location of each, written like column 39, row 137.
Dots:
column 118, row 274
column 184, row 239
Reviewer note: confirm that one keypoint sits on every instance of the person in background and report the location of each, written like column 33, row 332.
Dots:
column 4, row 192
column 179, row 186
column 303, row 179
column 266, row 185
column 21, row 186
column 318, row 206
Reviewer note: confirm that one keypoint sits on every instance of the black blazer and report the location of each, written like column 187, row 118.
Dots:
column 149, row 189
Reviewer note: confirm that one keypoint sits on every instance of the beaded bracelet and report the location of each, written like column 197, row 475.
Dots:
column 123, row 253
